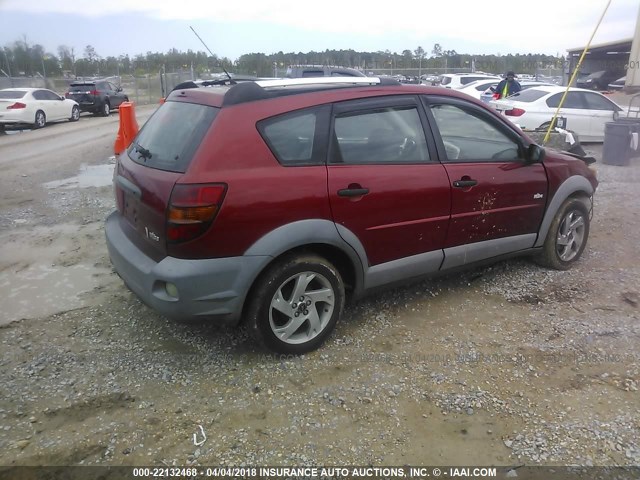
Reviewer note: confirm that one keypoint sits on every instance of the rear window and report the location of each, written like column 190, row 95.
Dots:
column 81, row 87
column 11, row 94
column 172, row 135
column 529, row 95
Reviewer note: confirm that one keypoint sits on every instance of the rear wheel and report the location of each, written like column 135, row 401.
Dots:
column 40, row 119
column 296, row 304
column 75, row 114
column 567, row 236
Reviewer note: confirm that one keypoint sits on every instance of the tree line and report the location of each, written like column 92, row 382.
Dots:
column 24, row 59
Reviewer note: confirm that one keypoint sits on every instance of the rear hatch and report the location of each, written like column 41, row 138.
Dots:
column 146, row 173
column 82, row 92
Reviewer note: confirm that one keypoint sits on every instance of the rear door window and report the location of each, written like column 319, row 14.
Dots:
column 573, row 100
column 172, row 135
column 389, row 135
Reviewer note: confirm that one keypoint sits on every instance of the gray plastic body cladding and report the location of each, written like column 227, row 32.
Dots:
column 315, row 231
column 570, row 186
column 214, row 288
column 476, row 252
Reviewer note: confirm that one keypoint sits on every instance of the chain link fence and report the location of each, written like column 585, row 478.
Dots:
column 142, row 90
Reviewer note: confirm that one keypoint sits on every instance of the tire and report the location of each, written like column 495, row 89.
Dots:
column 40, row 120
column 285, row 324
column 75, row 114
column 567, row 236
column 106, row 109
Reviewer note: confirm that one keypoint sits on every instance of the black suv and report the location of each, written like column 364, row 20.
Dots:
column 96, row 96
column 302, row 71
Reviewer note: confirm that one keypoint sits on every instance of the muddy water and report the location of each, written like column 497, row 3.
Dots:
column 43, row 271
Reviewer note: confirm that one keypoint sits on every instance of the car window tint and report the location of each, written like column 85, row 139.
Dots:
column 483, row 86
column 469, row 136
column 467, row 80
column 50, row 95
column 597, row 102
column 573, row 100
column 38, row 95
column 290, row 137
column 312, row 73
column 172, row 135
column 83, row 87
column 389, row 135
column 529, row 95
column 11, row 94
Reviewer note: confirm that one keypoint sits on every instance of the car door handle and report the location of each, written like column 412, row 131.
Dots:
column 353, row 192
column 465, row 183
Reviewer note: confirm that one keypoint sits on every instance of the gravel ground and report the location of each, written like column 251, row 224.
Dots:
column 509, row 364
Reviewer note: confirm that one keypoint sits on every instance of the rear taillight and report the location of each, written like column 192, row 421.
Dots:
column 191, row 210
column 16, row 106
column 514, row 112
column 94, row 92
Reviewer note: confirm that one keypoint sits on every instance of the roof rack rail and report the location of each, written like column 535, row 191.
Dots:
column 260, row 90
column 293, row 82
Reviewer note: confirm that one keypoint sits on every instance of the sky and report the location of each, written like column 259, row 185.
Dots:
column 233, row 28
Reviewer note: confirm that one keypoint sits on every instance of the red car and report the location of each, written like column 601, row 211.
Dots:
column 272, row 202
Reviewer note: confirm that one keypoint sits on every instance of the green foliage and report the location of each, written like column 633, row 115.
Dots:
column 21, row 58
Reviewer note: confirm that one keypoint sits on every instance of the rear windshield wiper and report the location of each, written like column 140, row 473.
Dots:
column 143, row 152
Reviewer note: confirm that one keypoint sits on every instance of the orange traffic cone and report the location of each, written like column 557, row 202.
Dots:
column 128, row 128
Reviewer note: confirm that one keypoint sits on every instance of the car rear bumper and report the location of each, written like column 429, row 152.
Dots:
column 213, row 288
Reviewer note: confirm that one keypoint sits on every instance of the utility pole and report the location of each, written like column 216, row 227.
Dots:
column 8, row 66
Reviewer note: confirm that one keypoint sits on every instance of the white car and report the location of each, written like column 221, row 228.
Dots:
column 477, row 88
column 487, row 95
column 584, row 111
column 35, row 107
column 459, row 80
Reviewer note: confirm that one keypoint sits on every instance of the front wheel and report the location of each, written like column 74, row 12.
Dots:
column 567, row 236
column 296, row 304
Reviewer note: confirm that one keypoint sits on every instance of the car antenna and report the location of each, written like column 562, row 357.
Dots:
column 205, row 46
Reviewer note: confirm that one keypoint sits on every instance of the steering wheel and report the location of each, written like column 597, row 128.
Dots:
column 408, row 147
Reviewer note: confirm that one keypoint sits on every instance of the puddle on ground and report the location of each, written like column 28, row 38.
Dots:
column 42, row 290
column 44, row 271
column 89, row 176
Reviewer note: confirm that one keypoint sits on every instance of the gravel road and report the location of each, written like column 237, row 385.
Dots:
column 510, row 364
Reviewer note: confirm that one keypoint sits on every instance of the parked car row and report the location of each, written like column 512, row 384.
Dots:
column 584, row 111
column 35, row 107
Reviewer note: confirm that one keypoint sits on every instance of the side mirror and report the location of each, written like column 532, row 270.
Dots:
column 616, row 115
column 493, row 89
column 118, row 89
column 535, row 153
